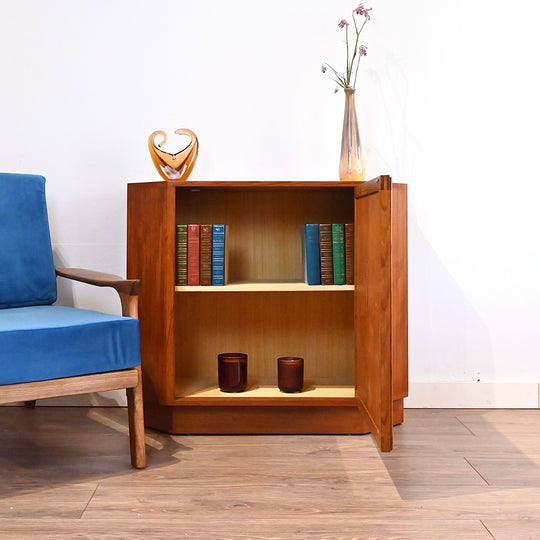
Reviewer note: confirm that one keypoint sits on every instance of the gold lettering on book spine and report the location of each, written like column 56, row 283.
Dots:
column 176, row 166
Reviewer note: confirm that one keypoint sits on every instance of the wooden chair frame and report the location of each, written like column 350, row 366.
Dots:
column 130, row 379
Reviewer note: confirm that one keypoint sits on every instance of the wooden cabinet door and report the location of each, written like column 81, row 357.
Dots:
column 373, row 306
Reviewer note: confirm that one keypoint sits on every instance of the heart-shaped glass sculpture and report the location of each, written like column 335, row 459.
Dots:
column 177, row 166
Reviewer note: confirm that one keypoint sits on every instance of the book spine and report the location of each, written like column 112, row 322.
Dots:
column 338, row 253
column 349, row 253
column 181, row 255
column 218, row 254
column 311, row 254
column 206, row 255
column 193, row 253
column 226, row 262
column 325, row 246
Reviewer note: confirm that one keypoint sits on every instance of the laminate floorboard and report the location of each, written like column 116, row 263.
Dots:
column 65, row 473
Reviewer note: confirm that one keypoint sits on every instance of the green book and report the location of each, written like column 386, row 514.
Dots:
column 349, row 253
column 338, row 253
column 181, row 254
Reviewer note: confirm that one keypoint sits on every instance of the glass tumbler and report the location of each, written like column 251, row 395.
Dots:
column 290, row 374
column 232, row 372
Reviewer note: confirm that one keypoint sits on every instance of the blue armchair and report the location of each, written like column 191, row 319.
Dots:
column 48, row 350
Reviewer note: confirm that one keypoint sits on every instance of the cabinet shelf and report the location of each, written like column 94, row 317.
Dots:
column 274, row 286
column 195, row 391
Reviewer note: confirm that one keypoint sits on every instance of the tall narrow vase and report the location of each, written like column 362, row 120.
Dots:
column 351, row 163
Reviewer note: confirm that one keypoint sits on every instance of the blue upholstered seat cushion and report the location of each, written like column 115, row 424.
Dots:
column 27, row 276
column 49, row 342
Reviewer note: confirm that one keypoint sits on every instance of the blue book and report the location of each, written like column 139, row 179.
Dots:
column 311, row 254
column 219, row 273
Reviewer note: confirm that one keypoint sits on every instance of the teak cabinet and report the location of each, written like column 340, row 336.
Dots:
column 353, row 337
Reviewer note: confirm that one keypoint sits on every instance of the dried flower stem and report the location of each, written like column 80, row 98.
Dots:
column 344, row 79
column 356, row 46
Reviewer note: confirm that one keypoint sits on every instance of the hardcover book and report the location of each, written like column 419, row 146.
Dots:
column 311, row 257
column 325, row 246
column 219, row 254
column 206, row 255
column 338, row 253
column 181, row 255
column 349, row 253
column 193, row 251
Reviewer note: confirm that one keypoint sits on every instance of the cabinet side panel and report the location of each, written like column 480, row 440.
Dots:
column 150, row 258
column 373, row 309
column 400, row 332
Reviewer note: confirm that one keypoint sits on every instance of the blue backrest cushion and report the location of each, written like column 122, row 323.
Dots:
column 27, row 275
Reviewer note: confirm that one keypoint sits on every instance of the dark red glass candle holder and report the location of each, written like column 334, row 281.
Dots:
column 232, row 372
column 290, row 374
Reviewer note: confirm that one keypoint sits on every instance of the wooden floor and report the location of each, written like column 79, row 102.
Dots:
column 65, row 473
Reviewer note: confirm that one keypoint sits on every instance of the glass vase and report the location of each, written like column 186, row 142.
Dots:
column 351, row 163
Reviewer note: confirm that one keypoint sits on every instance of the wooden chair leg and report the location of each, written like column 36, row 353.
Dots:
column 136, row 425
column 30, row 404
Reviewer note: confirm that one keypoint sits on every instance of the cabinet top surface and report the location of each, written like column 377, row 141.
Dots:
column 253, row 184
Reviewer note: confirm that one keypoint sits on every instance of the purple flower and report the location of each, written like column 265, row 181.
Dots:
column 361, row 10
column 347, row 79
column 336, row 90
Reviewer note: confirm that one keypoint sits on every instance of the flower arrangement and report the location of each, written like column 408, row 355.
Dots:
column 353, row 58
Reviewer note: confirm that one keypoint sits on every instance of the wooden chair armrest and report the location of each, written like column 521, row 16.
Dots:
column 128, row 289
column 127, row 286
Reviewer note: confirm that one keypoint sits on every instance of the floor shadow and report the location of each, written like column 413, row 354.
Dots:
column 464, row 452
column 49, row 447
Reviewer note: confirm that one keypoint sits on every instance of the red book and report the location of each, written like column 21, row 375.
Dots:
column 193, row 275
column 327, row 260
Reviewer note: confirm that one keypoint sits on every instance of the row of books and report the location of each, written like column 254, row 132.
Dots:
column 201, row 254
column 328, row 250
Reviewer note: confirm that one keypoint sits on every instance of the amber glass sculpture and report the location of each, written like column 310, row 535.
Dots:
column 177, row 166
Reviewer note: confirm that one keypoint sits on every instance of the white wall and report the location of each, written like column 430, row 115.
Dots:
column 447, row 102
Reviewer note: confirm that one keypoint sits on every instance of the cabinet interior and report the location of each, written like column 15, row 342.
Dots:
column 264, row 235
column 264, row 240
column 318, row 327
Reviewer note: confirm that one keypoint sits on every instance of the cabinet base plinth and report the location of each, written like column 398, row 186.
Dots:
column 262, row 420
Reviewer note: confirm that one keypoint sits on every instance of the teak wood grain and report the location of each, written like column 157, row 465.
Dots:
column 260, row 324
column 399, row 283
column 264, row 245
column 151, row 258
column 183, row 329
column 70, row 386
column 373, row 306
